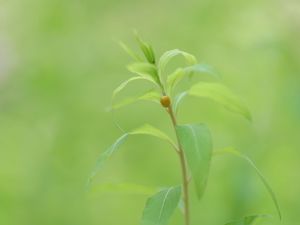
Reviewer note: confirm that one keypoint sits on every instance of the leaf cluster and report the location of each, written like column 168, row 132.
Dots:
column 195, row 139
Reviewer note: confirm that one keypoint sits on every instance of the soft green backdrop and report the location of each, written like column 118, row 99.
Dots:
column 59, row 63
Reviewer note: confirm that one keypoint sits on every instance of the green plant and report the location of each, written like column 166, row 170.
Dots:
column 194, row 142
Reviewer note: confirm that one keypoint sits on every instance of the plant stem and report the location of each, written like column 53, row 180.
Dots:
column 185, row 178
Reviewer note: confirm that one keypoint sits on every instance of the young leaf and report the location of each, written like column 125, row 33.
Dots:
column 160, row 207
column 151, row 96
column 125, row 83
column 248, row 220
column 196, row 142
column 130, row 52
column 152, row 131
column 145, row 70
column 174, row 78
column 167, row 56
column 261, row 176
column 123, row 188
column 220, row 94
column 146, row 49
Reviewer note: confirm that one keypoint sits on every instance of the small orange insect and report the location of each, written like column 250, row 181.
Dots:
column 165, row 101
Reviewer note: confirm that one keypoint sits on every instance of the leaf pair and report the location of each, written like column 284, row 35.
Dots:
column 196, row 142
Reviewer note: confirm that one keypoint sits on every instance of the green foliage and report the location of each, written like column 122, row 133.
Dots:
column 143, row 130
column 174, row 78
column 197, row 145
column 160, row 207
column 145, row 70
column 151, row 96
column 222, row 95
column 194, row 142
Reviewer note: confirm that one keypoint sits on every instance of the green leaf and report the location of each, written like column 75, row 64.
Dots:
column 125, row 83
column 145, row 70
column 130, row 52
column 122, row 188
column 146, row 49
column 107, row 154
column 144, row 130
column 196, row 142
column 177, row 100
column 222, row 95
column 174, row 78
column 160, row 207
column 151, row 96
column 167, row 56
column 152, row 131
column 248, row 220
column 232, row 151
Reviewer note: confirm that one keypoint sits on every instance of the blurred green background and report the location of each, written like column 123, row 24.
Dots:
column 59, row 62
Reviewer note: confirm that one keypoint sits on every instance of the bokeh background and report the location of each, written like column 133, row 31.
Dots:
column 60, row 61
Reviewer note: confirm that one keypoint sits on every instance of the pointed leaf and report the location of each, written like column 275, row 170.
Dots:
column 160, row 207
column 152, row 131
column 125, row 83
column 145, row 70
column 144, row 130
column 146, row 49
column 248, row 220
column 222, row 95
column 197, row 146
column 232, row 151
column 130, row 52
column 107, row 154
column 167, row 56
column 151, row 96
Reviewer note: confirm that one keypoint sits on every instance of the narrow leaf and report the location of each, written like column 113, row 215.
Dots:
column 146, row 49
column 261, row 176
column 144, row 130
column 152, row 131
column 145, row 70
column 107, row 154
column 125, row 83
column 197, row 145
column 160, row 207
column 167, row 56
column 130, row 52
column 151, row 96
column 174, row 78
column 222, row 95
column 248, row 220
